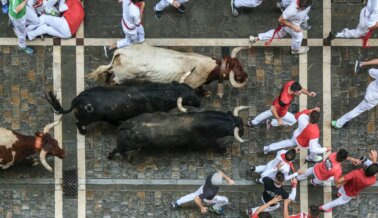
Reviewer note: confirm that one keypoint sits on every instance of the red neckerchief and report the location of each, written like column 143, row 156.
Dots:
column 365, row 39
column 288, row 162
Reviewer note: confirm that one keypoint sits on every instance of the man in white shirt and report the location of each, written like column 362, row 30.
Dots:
column 290, row 20
column 368, row 21
column 131, row 24
column 369, row 102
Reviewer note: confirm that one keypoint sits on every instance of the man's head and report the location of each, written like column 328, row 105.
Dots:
column 279, row 179
column 290, row 154
column 314, row 117
column 371, row 170
column 296, row 88
column 341, row 155
column 216, row 179
column 303, row 4
column 314, row 211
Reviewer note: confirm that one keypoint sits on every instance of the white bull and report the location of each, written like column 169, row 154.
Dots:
column 145, row 62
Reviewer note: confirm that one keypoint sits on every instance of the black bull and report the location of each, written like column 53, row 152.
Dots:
column 167, row 130
column 115, row 104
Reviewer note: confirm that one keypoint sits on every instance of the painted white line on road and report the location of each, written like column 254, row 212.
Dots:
column 58, row 133
column 303, row 105
column 80, row 138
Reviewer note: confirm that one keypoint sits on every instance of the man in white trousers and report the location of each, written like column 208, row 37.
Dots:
column 281, row 163
column 62, row 27
column 305, row 136
column 178, row 4
column 370, row 101
column 131, row 24
column 280, row 106
column 290, row 22
column 354, row 182
column 236, row 4
column 328, row 170
column 273, row 188
column 208, row 194
column 368, row 21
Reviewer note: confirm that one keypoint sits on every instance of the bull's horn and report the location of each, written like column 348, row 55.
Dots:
column 51, row 125
column 183, row 77
column 42, row 158
column 234, row 83
column 179, row 105
column 237, row 109
column 237, row 137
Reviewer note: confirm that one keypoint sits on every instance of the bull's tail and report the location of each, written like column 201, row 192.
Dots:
column 98, row 73
column 51, row 98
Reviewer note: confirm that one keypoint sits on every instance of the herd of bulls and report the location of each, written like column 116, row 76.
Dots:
column 141, row 107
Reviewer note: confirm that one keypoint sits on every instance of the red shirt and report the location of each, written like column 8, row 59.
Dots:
column 285, row 98
column 310, row 132
column 328, row 168
column 356, row 181
column 74, row 15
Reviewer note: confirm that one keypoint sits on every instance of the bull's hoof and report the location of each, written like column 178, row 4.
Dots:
column 223, row 150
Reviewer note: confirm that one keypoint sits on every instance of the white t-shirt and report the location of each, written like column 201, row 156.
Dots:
column 372, row 90
column 294, row 15
column 131, row 16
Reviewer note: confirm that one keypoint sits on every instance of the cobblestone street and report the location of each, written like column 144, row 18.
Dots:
column 146, row 186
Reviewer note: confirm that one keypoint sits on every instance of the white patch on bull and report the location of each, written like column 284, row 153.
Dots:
column 7, row 138
column 6, row 166
column 155, row 64
column 89, row 108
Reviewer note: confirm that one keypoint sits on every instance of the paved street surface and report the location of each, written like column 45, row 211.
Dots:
column 146, row 186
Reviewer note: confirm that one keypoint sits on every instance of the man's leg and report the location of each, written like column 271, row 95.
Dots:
column 247, row 3
column 360, row 30
column 44, row 29
column 189, row 197
column 260, row 168
column 268, row 35
column 20, row 29
column 343, row 199
column 218, row 201
column 288, row 120
column 128, row 40
column 140, row 34
column 280, row 145
column 161, row 5
column 31, row 16
column 261, row 117
column 362, row 107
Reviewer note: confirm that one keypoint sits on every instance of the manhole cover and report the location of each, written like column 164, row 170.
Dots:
column 70, row 183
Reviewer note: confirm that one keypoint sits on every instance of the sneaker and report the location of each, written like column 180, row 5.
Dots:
column 357, row 66
column 252, row 40
column 219, row 212
column 252, row 168
column 181, row 9
column 325, row 211
column 268, row 124
column 158, row 14
column 316, row 160
column 333, row 124
column 5, row 9
column 234, row 11
column 266, row 149
column 174, row 204
column 27, row 50
column 305, row 26
column 258, row 181
column 331, row 36
column 302, row 50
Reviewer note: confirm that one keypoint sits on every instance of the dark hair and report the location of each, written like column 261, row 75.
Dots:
column 303, row 4
column 295, row 87
column 314, row 116
column 134, row 1
column 314, row 211
column 264, row 215
column 341, row 155
column 290, row 154
column 371, row 170
column 280, row 177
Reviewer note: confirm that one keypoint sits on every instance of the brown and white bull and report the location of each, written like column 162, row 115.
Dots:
column 15, row 147
column 145, row 62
